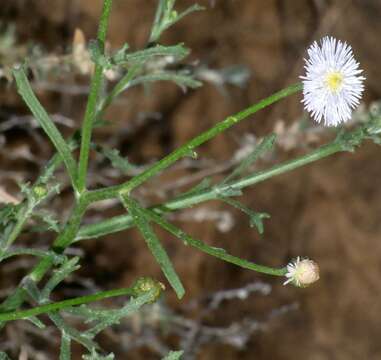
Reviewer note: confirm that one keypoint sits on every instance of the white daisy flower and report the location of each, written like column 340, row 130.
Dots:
column 332, row 85
column 302, row 272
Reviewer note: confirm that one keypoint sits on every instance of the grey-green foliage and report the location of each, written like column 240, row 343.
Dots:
column 264, row 146
column 14, row 216
column 153, row 63
column 104, row 318
column 7, row 38
column 166, row 16
column 46, row 221
column 125, row 57
column 99, row 319
column 141, row 57
column 65, row 349
column 59, row 275
column 154, row 244
column 4, row 356
column 119, row 162
column 225, row 192
column 94, row 355
column 174, row 355
column 142, row 67
column 8, row 216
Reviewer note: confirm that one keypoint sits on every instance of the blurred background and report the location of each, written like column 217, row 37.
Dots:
column 243, row 50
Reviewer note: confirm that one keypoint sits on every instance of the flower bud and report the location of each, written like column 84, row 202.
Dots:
column 302, row 272
column 40, row 191
column 145, row 284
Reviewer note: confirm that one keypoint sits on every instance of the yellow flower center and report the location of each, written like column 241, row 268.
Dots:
column 334, row 80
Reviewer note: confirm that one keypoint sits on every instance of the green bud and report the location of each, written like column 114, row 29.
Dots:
column 40, row 191
column 146, row 284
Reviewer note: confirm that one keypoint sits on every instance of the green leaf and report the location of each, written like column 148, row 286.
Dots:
column 181, row 78
column 8, row 213
column 36, row 322
column 96, row 356
column 203, row 185
column 123, row 84
column 119, row 162
column 174, row 355
column 153, row 243
column 256, row 219
column 112, row 317
column 49, row 223
column 4, row 356
column 33, row 252
column 216, row 252
column 176, row 52
column 165, row 17
column 45, row 122
column 97, row 55
column 60, row 275
column 74, row 334
column 8, row 218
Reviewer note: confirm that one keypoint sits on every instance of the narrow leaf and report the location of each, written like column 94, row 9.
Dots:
column 36, row 322
column 4, row 356
column 120, row 162
column 94, row 355
column 216, row 252
column 203, row 185
column 113, row 317
column 265, row 145
column 256, row 219
column 60, row 275
column 177, row 52
column 44, row 120
column 65, row 350
column 153, row 244
column 174, row 355
column 182, row 79
column 74, row 334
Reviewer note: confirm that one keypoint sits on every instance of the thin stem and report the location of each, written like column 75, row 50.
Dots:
column 90, row 113
column 188, row 148
column 61, row 305
column 123, row 222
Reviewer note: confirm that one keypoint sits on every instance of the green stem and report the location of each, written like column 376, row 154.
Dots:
column 121, row 86
column 123, row 222
column 188, row 148
column 61, row 305
column 91, row 107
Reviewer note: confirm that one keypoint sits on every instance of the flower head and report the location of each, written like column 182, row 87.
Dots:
column 333, row 85
column 302, row 272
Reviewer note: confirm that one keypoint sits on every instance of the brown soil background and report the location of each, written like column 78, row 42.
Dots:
column 329, row 211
